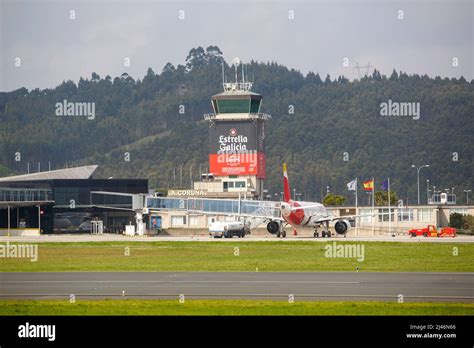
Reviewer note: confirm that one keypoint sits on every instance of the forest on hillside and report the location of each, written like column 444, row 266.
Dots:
column 153, row 127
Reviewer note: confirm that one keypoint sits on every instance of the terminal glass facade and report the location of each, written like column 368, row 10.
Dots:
column 225, row 206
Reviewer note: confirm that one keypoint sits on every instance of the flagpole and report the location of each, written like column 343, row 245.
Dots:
column 357, row 182
column 357, row 213
column 389, row 209
column 373, row 207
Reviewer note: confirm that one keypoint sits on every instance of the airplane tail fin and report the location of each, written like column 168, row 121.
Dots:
column 286, row 185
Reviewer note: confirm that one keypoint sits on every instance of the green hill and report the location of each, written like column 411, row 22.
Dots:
column 332, row 118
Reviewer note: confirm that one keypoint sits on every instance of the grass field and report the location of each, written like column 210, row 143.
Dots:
column 226, row 307
column 264, row 256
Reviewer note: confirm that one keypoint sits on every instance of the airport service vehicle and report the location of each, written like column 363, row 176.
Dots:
column 432, row 231
column 227, row 229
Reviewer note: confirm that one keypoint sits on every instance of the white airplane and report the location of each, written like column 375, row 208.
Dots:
column 308, row 214
column 296, row 214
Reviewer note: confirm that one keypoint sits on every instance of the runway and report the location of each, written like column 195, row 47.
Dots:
column 413, row 287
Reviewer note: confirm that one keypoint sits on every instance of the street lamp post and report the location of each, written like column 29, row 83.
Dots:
column 418, row 177
column 427, row 191
column 467, row 196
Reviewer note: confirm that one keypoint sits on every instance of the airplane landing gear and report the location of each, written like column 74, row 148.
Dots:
column 325, row 233
column 281, row 232
column 316, row 231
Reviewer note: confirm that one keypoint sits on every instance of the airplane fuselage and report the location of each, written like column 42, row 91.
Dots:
column 302, row 216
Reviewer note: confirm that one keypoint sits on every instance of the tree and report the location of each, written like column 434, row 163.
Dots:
column 381, row 198
column 196, row 59
column 333, row 200
column 394, row 76
column 314, row 79
column 95, row 77
column 213, row 56
column 169, row 68
column 468, row 223
column 376, row 75
column 456, row 220
column 150, row 74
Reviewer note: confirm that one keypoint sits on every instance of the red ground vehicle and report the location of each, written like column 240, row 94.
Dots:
column 432, row 231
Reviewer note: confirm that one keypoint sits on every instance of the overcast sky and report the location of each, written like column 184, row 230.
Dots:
column 52, row 47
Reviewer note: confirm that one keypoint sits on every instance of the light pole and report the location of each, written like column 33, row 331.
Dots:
column 294, row 194
column 467, row 196
column 427, row 191
column 418, row 177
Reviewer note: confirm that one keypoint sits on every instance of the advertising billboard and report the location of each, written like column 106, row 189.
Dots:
column 237, row 148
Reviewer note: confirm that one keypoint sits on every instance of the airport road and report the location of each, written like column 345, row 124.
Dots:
column 205, row 238
column 453, row 287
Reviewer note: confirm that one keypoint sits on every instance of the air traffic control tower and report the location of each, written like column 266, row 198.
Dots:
column 236, row 141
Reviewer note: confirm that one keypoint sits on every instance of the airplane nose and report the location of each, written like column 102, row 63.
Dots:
column 285, row 208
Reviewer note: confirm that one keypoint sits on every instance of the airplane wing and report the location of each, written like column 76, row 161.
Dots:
column 254, row 216
column 346, row 217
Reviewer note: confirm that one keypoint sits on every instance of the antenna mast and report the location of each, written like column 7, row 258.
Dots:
column 237, row 86
column 223, row 79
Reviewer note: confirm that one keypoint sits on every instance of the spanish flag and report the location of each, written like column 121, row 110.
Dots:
column 369, row 185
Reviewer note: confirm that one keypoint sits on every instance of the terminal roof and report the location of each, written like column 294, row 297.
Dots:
column 84, row 172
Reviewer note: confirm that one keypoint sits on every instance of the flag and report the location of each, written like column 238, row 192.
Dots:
column 352, row 185
column 385, row 185
column 368, row 185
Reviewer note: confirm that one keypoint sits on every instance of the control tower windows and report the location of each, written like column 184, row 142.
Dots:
column 255, row 106
column 233, row 106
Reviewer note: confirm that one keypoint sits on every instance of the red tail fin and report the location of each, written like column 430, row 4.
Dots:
column 286, row 185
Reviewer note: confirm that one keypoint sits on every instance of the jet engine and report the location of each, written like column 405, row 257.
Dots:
column 273, row 227
column 342, row 226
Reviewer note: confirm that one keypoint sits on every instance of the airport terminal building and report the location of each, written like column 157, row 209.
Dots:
column 73, row 201
column 68, row 201
column 194, row 215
